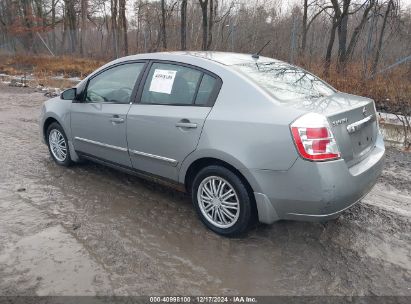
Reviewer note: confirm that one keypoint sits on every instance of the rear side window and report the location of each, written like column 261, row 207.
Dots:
column 208, row 83
column 171, row 84
column 285, row 82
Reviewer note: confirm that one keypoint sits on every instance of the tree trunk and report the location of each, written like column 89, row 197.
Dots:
column 210, row 24
column 108, row 40
column 72, row 24
column 380, row 39
column 41, row 20
column 305, row 29
column 123, row 24
column 204, row 5
column 64, row 33
column 183, row 27
column 114, row 28
column 163, row 24
column 356, row 33
column 327, row 62
column 53, row 25
column 138, row 26
column 6, row 7
column 27, row 17
column 83, row 15
column 342, row 36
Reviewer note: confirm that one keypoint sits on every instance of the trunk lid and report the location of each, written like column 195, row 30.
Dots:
column 352, row 120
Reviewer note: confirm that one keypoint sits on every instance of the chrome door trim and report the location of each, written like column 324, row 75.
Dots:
column 360, row 124
column 171, row 161
column 101, row 144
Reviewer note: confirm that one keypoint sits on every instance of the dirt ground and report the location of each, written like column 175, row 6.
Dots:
column 91, row 230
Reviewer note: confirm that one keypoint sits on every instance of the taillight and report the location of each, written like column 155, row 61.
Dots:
column 313, row 138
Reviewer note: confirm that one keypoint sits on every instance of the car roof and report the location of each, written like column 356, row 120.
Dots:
column 224, row 58
column 228, row 58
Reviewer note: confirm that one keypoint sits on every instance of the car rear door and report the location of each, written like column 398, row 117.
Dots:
column 98, row 119
column 165, row 123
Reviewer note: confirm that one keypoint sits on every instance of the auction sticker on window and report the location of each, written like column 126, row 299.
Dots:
column 162, row 81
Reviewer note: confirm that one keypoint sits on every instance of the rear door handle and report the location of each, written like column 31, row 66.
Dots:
column 116, row 119
column 186, row 125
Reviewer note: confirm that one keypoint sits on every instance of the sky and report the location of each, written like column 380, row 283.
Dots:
column 287, row 4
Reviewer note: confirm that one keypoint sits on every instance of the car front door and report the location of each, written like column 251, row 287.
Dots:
column 98, row 119
column 165, row 123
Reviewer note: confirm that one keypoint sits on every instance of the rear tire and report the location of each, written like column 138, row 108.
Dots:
column 58, row 145
column 222, row 201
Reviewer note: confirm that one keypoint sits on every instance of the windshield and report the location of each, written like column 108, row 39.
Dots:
column 285, row 82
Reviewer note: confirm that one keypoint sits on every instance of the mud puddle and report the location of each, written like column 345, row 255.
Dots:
column 92, row 230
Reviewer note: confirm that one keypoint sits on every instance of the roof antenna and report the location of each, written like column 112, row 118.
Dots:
column 257, row 55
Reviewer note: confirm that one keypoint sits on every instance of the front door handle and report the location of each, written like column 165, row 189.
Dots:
column 116, row 119
column 186, row 124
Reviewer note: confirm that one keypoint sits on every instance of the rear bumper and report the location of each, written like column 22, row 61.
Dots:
column 315, row 191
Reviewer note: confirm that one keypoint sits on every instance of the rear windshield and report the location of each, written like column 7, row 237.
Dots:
column 285, row 82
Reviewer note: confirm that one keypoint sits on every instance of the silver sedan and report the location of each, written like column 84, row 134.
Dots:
column 249, row 137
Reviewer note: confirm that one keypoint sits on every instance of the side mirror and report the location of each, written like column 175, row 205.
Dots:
column 69, row 94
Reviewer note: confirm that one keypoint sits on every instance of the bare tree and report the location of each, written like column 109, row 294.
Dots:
column 342, row 15
column 71, row 20
column 53, row 24
column 114, row 27
column 163, row 24
column 210, row 23
column 27, row 20
column 204, row 5
column 307, row 22
column 390, row 6
column 305, row 26
column 84, row 6
column 123, row 25
column 327, row 61
column 357, row 30
column 183, row 26
column 239, row 25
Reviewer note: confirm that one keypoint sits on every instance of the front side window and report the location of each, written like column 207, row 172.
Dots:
column 285, row 82
column 114, row 85
column 171, row 84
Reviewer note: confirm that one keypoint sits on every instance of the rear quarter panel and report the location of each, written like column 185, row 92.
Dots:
column 246, row 128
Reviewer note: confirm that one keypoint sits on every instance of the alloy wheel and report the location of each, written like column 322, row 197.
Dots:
column 218, row 201
column 58, row 145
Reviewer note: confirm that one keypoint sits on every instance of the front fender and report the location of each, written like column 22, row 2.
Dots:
column 58, row 110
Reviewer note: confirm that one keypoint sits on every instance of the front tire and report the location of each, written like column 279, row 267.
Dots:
column 222, row 201
column 58, row 145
